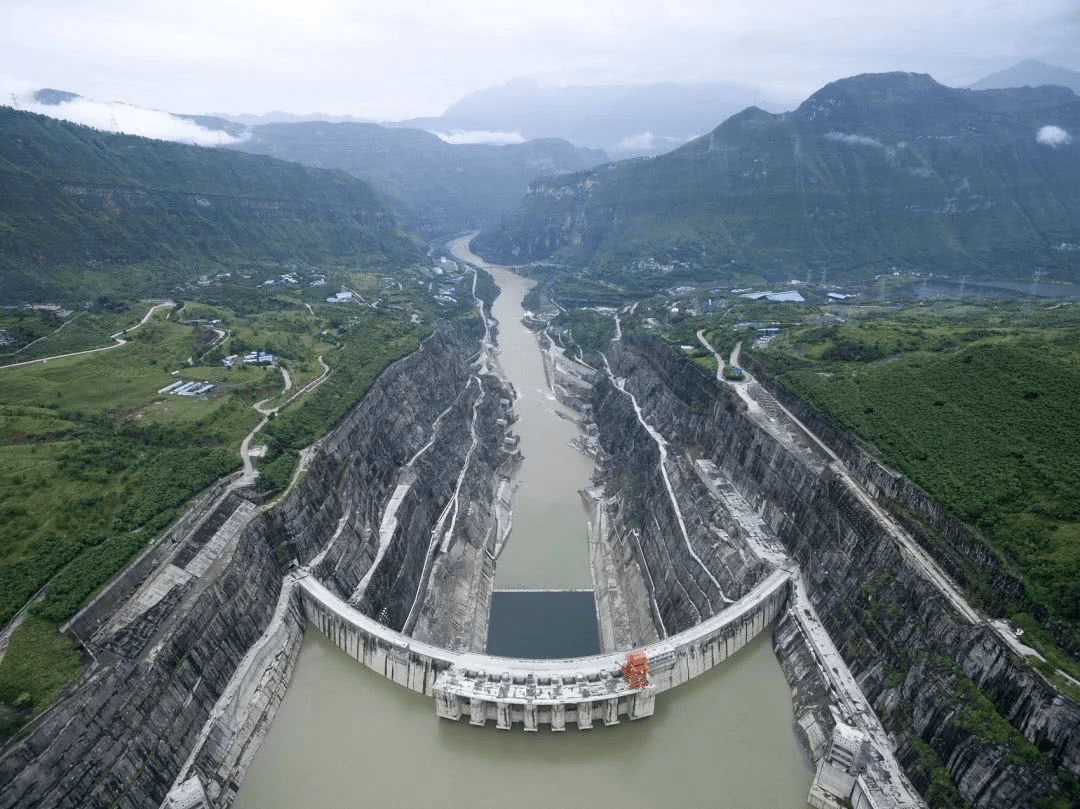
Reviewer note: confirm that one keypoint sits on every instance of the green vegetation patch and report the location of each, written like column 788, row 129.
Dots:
column 38, row 663
column 585, row 332
column 94, row 467
column 368, row 345
column 978, row 408
column 38, row 333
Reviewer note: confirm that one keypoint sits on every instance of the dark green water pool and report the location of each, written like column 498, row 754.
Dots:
column 543, row 624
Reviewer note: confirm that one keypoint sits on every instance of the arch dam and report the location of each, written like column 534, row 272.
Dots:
column 581, row 690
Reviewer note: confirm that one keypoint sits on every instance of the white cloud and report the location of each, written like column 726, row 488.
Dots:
column 1053, row 136
column 115, row 117
column 463, row 136
column 860, row 140
column 642, row 142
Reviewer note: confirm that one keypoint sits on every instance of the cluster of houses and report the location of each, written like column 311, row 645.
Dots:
column 286, row 278
column 251, row 358
column 182, row 388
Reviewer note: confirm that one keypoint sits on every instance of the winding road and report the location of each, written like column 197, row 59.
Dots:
column 260, row 407
column 117, row 337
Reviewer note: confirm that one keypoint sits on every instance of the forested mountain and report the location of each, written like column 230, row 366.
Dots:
column 82, row 211
column 869, row 174
column 440, row 188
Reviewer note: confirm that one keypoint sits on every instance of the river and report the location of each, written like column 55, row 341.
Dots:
column 548, row 547
column 345, row 736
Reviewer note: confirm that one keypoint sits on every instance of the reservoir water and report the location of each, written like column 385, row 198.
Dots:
column 345, row 736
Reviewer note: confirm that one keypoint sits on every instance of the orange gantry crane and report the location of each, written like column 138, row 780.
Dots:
column 636, row 669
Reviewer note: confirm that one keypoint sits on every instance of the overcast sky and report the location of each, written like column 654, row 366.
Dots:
column 402, row 58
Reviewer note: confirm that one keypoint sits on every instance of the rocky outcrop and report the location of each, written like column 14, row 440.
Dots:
column 693, row 565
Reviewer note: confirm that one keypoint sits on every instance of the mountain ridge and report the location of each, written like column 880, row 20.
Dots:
column 868, row 173
column 1030, row 73
column 440, row 188
column 78, row 205
column 624, row 120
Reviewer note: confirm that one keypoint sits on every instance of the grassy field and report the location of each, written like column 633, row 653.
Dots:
column 43, row 334
column 976, row 404
column 95, row 463
column 35, row 667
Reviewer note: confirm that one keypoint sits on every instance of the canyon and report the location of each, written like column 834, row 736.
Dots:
column 715, row 513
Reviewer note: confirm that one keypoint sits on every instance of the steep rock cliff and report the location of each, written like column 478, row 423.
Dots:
column 961, row 703
column 150, row 706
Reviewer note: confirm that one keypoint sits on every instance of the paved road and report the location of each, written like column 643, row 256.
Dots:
column 715, row 353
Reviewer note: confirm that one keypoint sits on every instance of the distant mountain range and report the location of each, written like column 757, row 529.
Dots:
column 84, row 212
column 869, row 173
column 439, row 188
column 1030, row 73
column 623, row 120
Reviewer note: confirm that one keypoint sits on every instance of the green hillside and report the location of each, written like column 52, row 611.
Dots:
column 84, row 212
column 869, row 174
column 976, row 405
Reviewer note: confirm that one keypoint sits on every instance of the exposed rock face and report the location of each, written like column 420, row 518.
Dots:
column 692, row 569
column 376, row 491
column 954, row 695
column 120, row 735
column 191, row 641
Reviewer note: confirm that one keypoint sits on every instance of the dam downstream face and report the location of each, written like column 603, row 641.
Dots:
column 344, row 736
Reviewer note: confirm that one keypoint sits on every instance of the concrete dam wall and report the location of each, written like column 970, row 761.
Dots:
column 534, row 692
